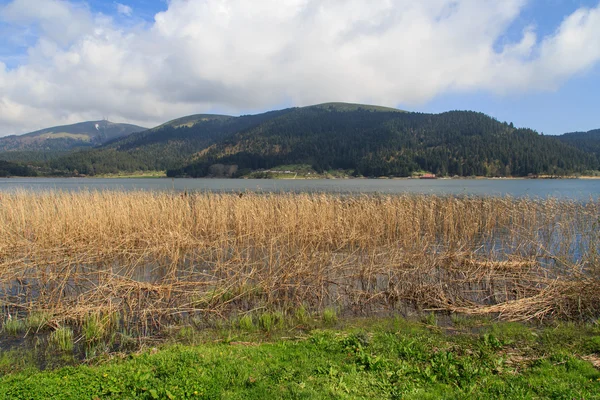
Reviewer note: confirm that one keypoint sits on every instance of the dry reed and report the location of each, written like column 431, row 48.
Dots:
column 151, row 257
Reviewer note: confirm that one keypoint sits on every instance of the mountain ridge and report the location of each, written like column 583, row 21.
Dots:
column 66, row 137
column 362, row 140
column 389, row 143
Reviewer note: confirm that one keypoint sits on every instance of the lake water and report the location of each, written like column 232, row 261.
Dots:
column 578, row 189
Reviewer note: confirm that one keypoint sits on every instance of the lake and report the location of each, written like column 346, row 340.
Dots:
column 577, row 189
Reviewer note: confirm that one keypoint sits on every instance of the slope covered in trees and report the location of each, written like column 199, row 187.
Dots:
column 586, row 141
column 384, row 142
column 360, row 139
column 168, row 146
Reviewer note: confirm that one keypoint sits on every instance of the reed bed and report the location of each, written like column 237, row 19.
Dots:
column 150, row 258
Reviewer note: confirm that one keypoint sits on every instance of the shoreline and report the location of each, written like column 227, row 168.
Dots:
column 151, row 176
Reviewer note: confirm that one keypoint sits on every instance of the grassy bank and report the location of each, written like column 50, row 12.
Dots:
column 139, row 174
column 386, row 358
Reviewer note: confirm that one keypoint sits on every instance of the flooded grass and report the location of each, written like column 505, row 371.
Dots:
column 114, row 267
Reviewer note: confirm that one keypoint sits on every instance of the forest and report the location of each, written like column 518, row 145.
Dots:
column 360, row 140
column 586, row 141
column 13, row 169
column 394, row 144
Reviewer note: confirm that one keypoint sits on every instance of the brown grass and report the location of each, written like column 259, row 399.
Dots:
column 152, row 257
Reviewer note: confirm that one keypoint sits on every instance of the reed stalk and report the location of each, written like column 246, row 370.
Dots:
column 156, row 257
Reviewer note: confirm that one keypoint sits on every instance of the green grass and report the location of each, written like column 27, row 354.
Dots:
column 84, row 137
column 246, row 323
column 387, row 359
column 302, row 316
column 13, row 326
column 297, row 171
column 37, row 320
column 329, row 316
column 191, row 120
column 93, row 328
column 62, row 339
column 345, row 107
column 133, row 175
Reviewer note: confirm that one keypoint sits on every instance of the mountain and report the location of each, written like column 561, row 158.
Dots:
column 587, row 141
column 67, row 137
column 359, row 139
column 385, row 142
column 171, row 145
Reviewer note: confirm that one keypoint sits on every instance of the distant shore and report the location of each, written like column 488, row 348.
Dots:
column 162, row 175
column 145, row 176
column 284, row 176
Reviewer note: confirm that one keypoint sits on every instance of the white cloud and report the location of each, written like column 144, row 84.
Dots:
column 236, row 55
column 57, row 20
column 124, row 9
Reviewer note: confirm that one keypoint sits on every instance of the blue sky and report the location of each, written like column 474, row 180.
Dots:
column 535, row 63
column 574, row 106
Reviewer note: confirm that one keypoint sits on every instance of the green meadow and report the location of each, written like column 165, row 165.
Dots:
column 328, row 359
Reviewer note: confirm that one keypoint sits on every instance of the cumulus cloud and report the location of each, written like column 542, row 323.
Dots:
column 124, row 9
column 58, row 21
column 236, row 55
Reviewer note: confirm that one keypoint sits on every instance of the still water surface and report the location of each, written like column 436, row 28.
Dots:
column 577, row 189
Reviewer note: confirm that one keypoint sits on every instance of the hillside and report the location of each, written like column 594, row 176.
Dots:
column 171, row 145
column 191, row 120
column 587, row 141
column 353, row 139
column 383, row 142
column 67, row 137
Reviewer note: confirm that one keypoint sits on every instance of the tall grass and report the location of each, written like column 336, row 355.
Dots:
column 152, row 257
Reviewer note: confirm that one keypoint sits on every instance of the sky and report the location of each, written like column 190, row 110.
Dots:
column 535, row 63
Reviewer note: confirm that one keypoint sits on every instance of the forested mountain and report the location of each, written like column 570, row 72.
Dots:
column 380, row 142
column 359, row 139
column 171, row 145
column 587, row 141
column 67, row 137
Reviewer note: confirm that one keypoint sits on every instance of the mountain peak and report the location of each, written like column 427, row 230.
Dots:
column 65, row 137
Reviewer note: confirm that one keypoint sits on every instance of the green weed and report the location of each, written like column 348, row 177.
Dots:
column 62, row 339
column 93, row 329
column 246, row 323
column 429, row 319
column 329, row 316
column 186, row 334
column 13, row 326
column 270, row 321
column 37, row 320
column 302, row 315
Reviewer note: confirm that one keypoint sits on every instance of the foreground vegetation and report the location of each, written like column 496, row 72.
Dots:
column 266, row 288
column 142, row 260
column 388, row 359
